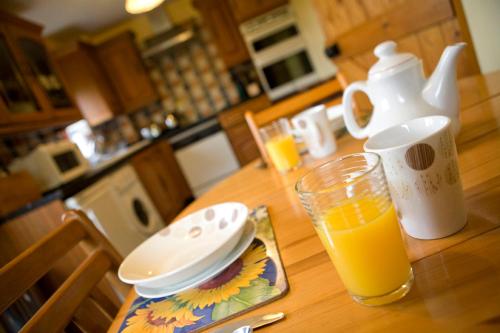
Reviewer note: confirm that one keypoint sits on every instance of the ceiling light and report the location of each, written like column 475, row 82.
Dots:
column 141, row 6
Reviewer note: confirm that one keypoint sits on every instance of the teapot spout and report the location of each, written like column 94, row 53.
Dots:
column 441, row 90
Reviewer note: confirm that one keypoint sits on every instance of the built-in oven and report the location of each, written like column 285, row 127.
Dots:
column 279, row 52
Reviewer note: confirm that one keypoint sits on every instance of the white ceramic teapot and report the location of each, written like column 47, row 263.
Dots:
column 399, row 92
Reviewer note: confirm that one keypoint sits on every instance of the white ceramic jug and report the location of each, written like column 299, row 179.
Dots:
column 314, row 127
column 399, row 92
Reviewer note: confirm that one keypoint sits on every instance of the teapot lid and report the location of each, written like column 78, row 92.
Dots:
column 390, row 60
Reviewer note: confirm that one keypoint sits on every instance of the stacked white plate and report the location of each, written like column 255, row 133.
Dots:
column 190, row 251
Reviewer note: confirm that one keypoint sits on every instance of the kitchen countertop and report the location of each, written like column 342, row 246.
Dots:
column 78, row 184
column 177, row 137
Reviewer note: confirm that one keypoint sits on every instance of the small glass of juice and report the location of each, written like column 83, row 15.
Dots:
column 280, row 145
column 349, row 203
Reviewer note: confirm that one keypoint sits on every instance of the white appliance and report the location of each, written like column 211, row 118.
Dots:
column 81, row 134
column 52, row 164
column 120, row 208
column 279, row 52
column 207, row 162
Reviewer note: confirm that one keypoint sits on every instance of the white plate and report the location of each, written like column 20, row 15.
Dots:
column 243, row 244
column 185, row 248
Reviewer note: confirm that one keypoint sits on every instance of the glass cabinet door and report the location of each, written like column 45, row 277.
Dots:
column 14, row 90
column 38, row 60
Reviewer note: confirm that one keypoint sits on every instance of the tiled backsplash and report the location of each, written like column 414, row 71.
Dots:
column 192, row 79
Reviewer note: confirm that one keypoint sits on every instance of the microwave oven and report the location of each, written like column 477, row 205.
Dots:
column 279, row 53
column 52, row 164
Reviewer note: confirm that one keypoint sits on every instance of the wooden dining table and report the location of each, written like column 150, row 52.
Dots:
column 457, row 278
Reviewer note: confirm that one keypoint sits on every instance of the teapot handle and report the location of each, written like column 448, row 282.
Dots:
column 350, row 121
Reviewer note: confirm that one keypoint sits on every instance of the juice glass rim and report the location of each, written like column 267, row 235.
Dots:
column 355, row 179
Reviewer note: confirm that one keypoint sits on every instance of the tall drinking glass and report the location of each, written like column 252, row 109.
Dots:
column 280, row 145
column 352, row 212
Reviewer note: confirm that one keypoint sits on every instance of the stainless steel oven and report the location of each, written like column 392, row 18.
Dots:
column 279, row 52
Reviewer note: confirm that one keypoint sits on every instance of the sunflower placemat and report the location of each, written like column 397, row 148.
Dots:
column 256, row 278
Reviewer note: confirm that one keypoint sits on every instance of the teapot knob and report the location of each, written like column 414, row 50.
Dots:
column 385, row 49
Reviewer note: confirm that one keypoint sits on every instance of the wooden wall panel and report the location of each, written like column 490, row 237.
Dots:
column 366, row 60
column 394, row 24
column 410, row 44
column 432, row 44
column 421, row 27
column 374, row 7
column 452, row 34
column 356, row 11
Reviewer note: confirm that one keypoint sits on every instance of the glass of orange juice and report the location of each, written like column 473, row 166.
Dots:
column 352, row 212
column 280, row 145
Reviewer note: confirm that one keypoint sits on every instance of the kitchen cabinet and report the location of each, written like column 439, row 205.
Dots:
column 31, row 90
column 237, row 130
column 218, row 18
column 244, row 10
column 123, row 65
column 88, row 83
column 17, row 97
column 162, row 178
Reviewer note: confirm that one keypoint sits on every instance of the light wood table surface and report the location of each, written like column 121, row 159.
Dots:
column 457, row 279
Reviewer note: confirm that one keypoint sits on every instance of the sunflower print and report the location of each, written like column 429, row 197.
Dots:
column 246, row 283
column 161, row 317
column 238, row 275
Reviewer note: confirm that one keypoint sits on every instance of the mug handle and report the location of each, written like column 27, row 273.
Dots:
column 310, row 124
column 350, row 121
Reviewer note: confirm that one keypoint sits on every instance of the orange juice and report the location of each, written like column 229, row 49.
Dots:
column 366, row 247
column 283, row 152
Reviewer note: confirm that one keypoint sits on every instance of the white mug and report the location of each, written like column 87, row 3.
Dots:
column 420, row 163
column 313, row 126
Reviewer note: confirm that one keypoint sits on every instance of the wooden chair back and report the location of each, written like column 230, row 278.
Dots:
column 328, row 93
column 421, row 27
column 78, row 290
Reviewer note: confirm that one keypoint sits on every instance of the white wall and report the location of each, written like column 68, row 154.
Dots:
column 313, row 34
column 483, row 18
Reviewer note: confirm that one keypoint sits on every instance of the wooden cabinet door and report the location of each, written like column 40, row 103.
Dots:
column 244, row 10
column 38, row 68
column 218, row 18
column 88, row 84
column 18, row 101
column 162, row 178
column 149, row 172
column 178, row 186
column 123, row 65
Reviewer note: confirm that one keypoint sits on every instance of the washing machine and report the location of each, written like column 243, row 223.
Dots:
column 120, row 208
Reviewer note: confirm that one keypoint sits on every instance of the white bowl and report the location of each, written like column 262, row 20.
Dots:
column 243, row 244
column 186, row 247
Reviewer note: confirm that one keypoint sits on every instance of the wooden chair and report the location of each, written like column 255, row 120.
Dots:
column 77, row 300
column 328, row 93
column 421, row 27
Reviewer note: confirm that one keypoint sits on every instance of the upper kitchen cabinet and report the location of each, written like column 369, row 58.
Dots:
column 122, row 62
column 219, row 19
column 31, row 89
column 244, row 10
column 88, row 84
column 17, row 98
